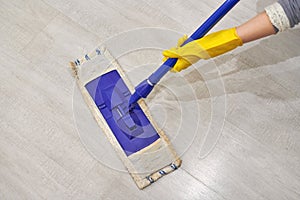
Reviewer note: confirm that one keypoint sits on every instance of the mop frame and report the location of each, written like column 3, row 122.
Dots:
column 138, row 162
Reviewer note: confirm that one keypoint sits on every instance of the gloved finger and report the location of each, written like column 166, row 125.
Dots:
column 171, row 53
column 180, row 65
column 165, row 59
column 174, row 54
column 174, row 68
column 182, row 40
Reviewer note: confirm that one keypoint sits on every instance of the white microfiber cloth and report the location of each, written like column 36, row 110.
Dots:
column 146, row 165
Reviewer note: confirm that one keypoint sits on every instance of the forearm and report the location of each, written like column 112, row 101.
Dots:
column 277, row 17
column 274, row 19
column 258, row 27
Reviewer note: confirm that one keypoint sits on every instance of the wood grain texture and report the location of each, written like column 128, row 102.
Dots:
column 42, row 155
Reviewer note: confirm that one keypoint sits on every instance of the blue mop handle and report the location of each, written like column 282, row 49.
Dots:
column 143, row 89
column 199, row 33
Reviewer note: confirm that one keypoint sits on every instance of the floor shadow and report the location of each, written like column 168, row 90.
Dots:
column 270, row 51
column 237, row 78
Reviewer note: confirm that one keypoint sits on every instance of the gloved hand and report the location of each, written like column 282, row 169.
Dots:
column 207, row 47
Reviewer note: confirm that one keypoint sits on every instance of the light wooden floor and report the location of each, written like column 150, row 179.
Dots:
column 41, row 155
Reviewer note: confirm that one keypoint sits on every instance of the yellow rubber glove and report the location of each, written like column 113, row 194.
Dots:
column 207, row 47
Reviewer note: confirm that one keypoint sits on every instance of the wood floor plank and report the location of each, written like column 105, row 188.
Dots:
column 21, row 21
column 261, row 105
column 107, row 18
column 255, row 156
column 241, row 168
column 50, row 160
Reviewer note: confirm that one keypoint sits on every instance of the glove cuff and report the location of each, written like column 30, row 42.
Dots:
column 219, row 42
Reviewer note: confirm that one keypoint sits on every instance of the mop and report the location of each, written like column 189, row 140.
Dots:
column 124, row 117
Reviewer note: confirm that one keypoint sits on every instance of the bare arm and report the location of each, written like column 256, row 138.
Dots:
column 277, row 17
column 258, row 27
column 274, row 19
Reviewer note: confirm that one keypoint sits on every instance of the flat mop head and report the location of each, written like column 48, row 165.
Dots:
column 144, row 149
